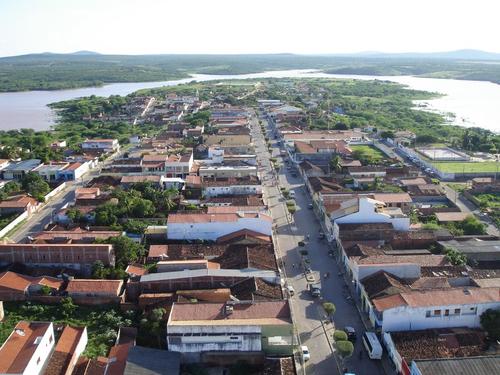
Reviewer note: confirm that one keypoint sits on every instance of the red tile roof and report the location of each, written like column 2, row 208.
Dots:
column 18, row 282
column 17, row 351
column 93, row 286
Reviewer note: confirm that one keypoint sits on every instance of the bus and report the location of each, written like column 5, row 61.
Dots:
column 372, row 345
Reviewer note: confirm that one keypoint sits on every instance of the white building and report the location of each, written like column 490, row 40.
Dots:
column 27, row 349
column 212, row 226
column 231, row 186
column 221, row 171
column 101, row 145
column 439, row 308
column 363, row 210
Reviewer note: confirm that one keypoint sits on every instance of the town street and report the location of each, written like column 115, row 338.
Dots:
column 308, row 313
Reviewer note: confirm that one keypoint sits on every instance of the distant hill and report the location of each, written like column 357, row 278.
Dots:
column 463, row 54
column 84, row 53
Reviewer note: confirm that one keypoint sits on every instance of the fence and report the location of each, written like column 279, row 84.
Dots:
column 13, row 224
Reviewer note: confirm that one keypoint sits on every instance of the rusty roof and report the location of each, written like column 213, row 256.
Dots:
column 15, row 281
column 93, row 286
column 274, row 312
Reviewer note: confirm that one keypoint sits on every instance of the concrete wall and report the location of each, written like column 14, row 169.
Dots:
column 13, row 223
column 213, row 230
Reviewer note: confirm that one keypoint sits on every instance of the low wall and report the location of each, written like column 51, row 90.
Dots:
column 13, row 223
column 55, row 191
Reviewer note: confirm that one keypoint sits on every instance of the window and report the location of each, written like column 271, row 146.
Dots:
column 446, row 312
column 428, row 314
column 457, row 311
column 437, row 312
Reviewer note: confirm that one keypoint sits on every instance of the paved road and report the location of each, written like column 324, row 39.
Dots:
column 307, row 311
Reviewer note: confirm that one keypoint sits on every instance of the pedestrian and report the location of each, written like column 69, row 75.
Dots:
column 293, row 265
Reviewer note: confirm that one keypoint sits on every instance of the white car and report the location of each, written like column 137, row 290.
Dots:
column 291, row 290
column 306, row 356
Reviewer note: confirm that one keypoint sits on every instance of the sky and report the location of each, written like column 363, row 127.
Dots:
column 247, row 26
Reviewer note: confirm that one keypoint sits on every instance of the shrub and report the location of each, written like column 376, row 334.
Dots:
column 345, row 348
column 339, row 335
column 292, row 210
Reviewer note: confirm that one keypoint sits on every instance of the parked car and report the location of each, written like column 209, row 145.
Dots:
column 351, row 333
column 310, row 206
column 291, row 290
column 321, row 235
column 306, row 356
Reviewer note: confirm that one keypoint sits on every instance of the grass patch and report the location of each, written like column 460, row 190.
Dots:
column 464, row 167
column 367, row 154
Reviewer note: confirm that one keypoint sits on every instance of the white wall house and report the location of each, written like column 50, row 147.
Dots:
column 229, row 189
column 416, row 310
column 371, row 211
column 27, row 349
column 213, row 226
column 102, row 145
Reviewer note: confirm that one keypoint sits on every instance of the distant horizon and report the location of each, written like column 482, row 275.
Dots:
column 89, row 52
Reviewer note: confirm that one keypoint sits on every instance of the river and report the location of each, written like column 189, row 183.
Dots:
column 472, row 103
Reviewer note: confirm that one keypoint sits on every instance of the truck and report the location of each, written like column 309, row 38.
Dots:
column 315, row 289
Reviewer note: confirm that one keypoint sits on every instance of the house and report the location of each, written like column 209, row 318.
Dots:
column 18, row 205
column 229, row 186
column 70, row 346
column 319, row 150
column 179, row 165
column 363, row 261
column 146, row 361
column 27, row 349
column 476, row 250
column 227, row 171
column 74, row 236
column 76, row 256
column 17, row 170
column 95, row 291
column 100, row 145
column 73, row 171
column 453, row 366
column 366, row 210
column 18, row 287
column 50, row 172
column 4, row 163
column 212, row 226
column 204, row 278
column 425, row 309
column 309, row 169
column 230, row 327
column 435, row 345
column 395, row 200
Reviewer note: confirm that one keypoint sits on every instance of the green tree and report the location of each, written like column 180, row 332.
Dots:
column 126, row 250
column 329, row 308
column 344, row 348
column 35, row 185
column 490, row 321
column 336, row 163
column 154, row 324
column 471, row 225
column 455, row 257
column 340, row 335
column 67, row 307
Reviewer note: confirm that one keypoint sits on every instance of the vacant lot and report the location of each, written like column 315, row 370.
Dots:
column 464, row 167
column 368, row 151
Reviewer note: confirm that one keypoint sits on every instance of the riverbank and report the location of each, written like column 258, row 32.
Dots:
column 473, row 103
